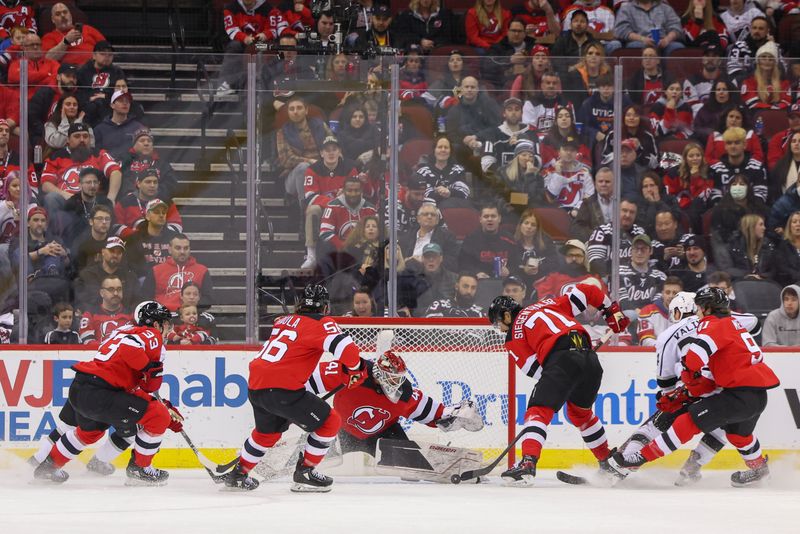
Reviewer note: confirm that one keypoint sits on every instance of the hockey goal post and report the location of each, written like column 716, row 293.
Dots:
column 451, row 359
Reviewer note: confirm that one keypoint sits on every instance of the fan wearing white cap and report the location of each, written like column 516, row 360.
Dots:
column 115, row 133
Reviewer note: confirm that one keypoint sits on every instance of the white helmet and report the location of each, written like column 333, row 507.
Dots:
column 684, row 303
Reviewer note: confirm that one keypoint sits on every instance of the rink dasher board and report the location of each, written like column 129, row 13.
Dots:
column 209, row 387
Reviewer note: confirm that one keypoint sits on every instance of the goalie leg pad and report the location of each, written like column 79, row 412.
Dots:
column 424, row 461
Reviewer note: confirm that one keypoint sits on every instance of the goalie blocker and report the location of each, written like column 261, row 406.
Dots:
column 372, row 410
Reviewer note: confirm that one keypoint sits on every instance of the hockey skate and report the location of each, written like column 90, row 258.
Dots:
column 145, row 476
column 624, row 464
column 753, row 477
column 237, row 480
column 690, row 472
column 522, row 474
column 608, row 473
column 309, row 480
column 98, row 467
column 48, row 471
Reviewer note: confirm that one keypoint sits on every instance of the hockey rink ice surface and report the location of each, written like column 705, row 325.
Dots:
column 191, row 503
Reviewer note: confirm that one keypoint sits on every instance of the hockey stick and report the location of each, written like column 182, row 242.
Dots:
column 467, row 475
column 214, row 470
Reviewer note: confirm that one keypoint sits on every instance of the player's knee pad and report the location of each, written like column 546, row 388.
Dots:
column 156, row 419
column 88, row 437
column 265, row 440
column 331, row 425
column 577, row 415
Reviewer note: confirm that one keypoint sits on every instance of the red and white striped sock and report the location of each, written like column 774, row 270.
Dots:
column 255, row 447
column 535, row 430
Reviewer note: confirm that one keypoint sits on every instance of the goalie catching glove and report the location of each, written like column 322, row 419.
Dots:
column 176, row 423
column 615, row 319
column 462, row 415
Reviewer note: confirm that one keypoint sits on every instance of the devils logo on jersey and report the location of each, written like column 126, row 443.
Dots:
column 369, row 419
column 71, row 179
column 101, row 80
column 178, row 280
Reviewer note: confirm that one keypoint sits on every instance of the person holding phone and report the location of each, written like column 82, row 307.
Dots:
column 70, row 42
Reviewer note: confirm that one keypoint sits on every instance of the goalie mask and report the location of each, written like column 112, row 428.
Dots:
column 389, row 372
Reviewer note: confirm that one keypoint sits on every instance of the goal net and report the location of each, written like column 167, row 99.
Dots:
column 449, row 360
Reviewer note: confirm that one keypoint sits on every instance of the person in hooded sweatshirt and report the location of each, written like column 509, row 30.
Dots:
column 597, row 112
column 782, row 325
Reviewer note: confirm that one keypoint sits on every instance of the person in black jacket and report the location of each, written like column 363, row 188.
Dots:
column 45, row 98
column 413, row 243
column 507, row 59
column 786, row 257
column 738, row 201
column 96, row 80
column 356, row 135
column 571, row 43
column 750, row 251
column 480, row 248
column 444, row 176
column 426, row 23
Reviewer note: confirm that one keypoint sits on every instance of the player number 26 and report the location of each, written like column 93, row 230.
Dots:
column 274, row 350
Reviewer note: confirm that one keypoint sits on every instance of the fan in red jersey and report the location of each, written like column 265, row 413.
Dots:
column 547, row 342
column 724, row 367
column 372, row 410
column 114, row 389
column 276, row 389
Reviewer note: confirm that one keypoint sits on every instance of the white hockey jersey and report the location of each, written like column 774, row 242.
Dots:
column 668, row 343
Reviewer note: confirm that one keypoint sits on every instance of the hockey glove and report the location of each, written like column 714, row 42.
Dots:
column 674, row 400
column 615, row 319
column 697, row 384
column 151, row 379
column 463, row 415
column 355, row 377
column 176, row 424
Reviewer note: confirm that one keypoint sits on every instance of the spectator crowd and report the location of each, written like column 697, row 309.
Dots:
column 505, row 149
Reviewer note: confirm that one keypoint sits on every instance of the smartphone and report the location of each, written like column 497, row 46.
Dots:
column 79, row 26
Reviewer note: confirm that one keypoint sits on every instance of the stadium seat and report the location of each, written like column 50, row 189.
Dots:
column 758, row 297
column 488, row 289
column 679, row 6
column 683, row 63
column 555, row 222
column 461, row 221
column 411, row 152
column 775, row 120
column 283, row 115
column 673, row 145
column 420, row 117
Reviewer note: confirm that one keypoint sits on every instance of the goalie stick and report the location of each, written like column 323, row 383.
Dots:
column 483, row 471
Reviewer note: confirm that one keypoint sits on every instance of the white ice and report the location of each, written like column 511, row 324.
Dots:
column 191, row 503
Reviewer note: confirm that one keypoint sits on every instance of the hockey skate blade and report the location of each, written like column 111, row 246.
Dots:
column 526, row 481
column 763, row 482
column 305, row 488
column 685, row 481
column 136, row 483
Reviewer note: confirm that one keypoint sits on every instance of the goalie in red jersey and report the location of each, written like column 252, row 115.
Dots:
column 724, row 367
column 372, row 410
column 114, row 389
column 276, row 390
column 547, row 342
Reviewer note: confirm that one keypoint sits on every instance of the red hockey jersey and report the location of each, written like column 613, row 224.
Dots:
column 365, row 410
column 294, row 348
column 320, row 181
column 16, row 16
column 130, row 211
column 122, row 357
column 723, row 350
column 64, row 172
column 263, row 18
column 169, row 278
column 338, row 220
column 96, row 324
column 556, row 284
column 538, row 326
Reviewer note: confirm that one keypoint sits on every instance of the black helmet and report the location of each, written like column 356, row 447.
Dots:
column 150, row 312
column 503, row 304
column 315, row 298
column 714, row 298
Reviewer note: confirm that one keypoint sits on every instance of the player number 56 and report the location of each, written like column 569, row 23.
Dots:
column 274, row 350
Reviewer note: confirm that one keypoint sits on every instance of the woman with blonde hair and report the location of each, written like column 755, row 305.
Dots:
column 486, row 24
column 767, row 88
column 592, row 65
column 363, row 242
column 690, row 184
column 751, row 251
column 702, row 27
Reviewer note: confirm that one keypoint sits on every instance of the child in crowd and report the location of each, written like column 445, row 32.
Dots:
column 187, row 332
column 63, row 315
